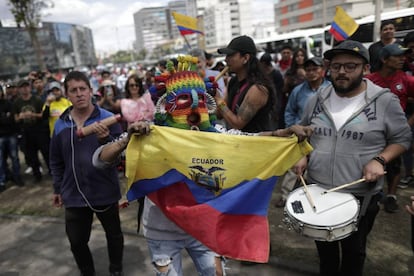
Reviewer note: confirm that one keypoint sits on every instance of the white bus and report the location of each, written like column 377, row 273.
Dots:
column 308, row 39
column 403, row 21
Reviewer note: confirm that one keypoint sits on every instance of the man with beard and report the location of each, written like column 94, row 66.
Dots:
column 359, row 127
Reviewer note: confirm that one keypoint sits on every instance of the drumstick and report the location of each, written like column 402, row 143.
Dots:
column 221, row 74
column 307, row 193
column 344, row 185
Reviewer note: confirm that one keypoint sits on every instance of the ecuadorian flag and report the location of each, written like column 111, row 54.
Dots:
column 216, row 187
column 186, row 24
column 343, row 26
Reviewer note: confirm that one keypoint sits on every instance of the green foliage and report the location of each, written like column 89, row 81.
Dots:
column 28, row 12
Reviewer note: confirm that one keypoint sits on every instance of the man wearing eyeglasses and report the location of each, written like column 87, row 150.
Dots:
column 359, row 128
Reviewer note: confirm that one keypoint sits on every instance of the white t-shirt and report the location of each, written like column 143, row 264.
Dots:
column 341, row 108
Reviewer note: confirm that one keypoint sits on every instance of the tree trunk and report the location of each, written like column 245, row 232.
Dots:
column 37, row 49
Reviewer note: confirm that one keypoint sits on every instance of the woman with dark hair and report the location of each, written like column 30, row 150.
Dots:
column 138, row 105
column 250, row 94
column 293, row 77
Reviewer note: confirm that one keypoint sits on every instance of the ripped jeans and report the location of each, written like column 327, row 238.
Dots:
column 166, row 256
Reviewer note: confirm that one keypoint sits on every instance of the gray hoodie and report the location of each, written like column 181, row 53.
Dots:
column 339, row 156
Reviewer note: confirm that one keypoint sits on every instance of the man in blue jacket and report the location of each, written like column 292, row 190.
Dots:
column 78, row 185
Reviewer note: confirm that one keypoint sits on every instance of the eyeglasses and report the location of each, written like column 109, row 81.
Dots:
column 133, row 85
column 348, row 67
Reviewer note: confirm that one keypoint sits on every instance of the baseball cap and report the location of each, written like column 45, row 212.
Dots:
column 393, row 50
column 242, row 44
column 54, row 84
column 348, row 47
column 10, row 84
column 318, row 61
column 23, row 82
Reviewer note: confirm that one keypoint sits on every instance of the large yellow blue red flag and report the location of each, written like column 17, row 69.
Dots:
column 217, row 187
column 343, row 25
column 186, row 24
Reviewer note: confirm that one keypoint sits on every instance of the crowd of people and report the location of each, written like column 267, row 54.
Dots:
column 358, row 103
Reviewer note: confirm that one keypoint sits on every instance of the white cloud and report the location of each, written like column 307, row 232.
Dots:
column 111, row 21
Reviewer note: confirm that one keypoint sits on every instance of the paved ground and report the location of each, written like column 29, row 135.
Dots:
column 33, row 246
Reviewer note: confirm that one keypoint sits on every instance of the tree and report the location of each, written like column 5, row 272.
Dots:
column 28, row 14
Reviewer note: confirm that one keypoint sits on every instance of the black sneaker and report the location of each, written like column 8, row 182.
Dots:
column 390, row 205
column 2, row 188
column 404, row 182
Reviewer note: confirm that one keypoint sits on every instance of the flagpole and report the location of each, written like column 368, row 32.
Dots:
column 188, row 43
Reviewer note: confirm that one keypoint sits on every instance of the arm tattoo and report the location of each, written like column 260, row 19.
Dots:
column 246, row 112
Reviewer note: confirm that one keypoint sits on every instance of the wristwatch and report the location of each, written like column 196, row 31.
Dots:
column 380, row 160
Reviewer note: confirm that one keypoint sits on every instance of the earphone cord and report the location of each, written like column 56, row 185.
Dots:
column 76, row 178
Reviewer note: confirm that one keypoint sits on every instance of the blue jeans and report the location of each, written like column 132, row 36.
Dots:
column 168, row 253
column 8, row 145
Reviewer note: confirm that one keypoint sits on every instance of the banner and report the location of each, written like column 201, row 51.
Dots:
column 216, row 187
column 186, row 24
column 343, row 25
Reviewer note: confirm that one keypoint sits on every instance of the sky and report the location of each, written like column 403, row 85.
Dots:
column 111, row 21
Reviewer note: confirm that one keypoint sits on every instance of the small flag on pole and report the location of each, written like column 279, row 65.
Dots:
column 186, row 24
column 343, row 25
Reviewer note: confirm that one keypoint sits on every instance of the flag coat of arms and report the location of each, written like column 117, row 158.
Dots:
column 216, row 187
column 186, row 24
column 343, row 25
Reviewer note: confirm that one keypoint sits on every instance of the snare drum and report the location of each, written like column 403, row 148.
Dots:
column 335, row 218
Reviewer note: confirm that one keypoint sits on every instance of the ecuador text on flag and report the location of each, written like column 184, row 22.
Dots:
column 216, row 187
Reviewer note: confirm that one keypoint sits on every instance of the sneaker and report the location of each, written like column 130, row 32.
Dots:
column 29, row 170
column 390, row 204
column 2, row 187
column 404, row 182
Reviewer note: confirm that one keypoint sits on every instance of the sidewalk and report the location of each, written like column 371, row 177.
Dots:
column 33, row 246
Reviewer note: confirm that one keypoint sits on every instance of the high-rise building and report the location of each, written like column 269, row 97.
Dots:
column 301, row 14
column 221, row 20
column 63, row 46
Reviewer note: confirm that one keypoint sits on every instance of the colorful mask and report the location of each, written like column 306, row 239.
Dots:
column 186, row 104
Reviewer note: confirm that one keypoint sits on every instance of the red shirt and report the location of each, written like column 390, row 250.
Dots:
column 399, row 83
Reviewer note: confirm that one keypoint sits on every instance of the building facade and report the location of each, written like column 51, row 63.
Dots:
column 302, row 14
column 63, row 46
column 220, row 20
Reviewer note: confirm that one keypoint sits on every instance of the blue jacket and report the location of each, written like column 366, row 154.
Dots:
column 74, row 176
column 297, row 101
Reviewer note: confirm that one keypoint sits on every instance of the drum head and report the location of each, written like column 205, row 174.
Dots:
column 332, row 209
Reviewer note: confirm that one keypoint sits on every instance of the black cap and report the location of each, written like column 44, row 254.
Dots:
column 318, row 61
column 23, row 82
column 10, row 84
column 393, row 50
column 348, row 47
column 208, row 55
column 266, row 58
column 242, row 44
